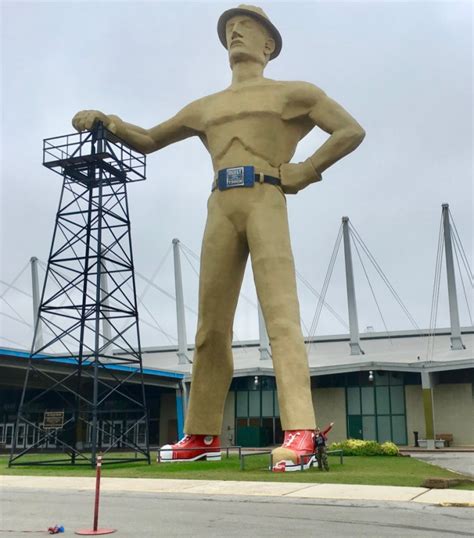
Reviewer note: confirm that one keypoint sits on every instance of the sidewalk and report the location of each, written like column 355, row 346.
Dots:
column 412, row 449
column 445, row 497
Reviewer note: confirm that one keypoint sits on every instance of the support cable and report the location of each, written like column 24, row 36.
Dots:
column 158, row 288
column 18, row 320
column 325, row 303
column 14, row 280
column 465, row 264
column 11, row 287
column 155, row 274
column 463, row 286
column 44, row 266
column 385, row 279
column 157, row 326
column 20, row 317
column 372, row 290
column 25, row 323
column 324, row 289
column 21, row 345
column 463, row 254
column 195, row 271
column 435, row 294
column 190, row 251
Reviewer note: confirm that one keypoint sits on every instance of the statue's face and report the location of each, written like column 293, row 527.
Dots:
column 247, row 39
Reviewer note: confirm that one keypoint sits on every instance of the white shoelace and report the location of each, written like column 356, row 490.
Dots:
column 184, row 439
column 291, row 438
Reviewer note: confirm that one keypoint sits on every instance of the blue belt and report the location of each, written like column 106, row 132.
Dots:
column 241, row 176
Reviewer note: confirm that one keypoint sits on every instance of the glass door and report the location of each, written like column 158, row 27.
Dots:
column 377, row 411
column 30, row 435
column 9, row 434
column 20, row 436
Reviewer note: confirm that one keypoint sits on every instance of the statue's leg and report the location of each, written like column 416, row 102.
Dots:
column 274, row 273
column 223, row 259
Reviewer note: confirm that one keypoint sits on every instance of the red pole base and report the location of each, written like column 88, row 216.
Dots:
column 92, row 532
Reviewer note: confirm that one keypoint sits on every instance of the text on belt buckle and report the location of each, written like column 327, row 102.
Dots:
column 240, row 176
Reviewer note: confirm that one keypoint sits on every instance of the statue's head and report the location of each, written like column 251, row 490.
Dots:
column 247, row 33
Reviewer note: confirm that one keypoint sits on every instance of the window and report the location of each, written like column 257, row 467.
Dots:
column 256, row 406
column 376, row 411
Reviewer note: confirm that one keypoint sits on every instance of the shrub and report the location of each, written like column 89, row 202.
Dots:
column 358, row 447
column 389, row 449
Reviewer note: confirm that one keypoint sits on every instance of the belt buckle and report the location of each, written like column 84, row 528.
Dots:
column 239, row 176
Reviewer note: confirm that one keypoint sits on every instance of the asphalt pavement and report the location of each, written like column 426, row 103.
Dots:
column 459, row 462
column 30, row 510
column 201, row 508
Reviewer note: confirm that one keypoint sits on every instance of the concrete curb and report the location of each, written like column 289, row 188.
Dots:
column 444, row 497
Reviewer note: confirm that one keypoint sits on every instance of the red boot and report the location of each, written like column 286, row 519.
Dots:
column 297, row 449
column 192, row 448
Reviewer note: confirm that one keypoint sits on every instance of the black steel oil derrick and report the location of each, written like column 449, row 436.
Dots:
column 88, row 309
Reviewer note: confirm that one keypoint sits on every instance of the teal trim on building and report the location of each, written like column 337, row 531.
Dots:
column 180, row 414
column 72, row 360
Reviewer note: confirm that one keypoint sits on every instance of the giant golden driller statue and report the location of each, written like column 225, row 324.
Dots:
column 251, row 130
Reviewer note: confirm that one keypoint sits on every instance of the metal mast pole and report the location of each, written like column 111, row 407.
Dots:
column 351, row 298
column 104, row 289
column 456, row 340
column 38, row 343
column 98, row 305
column 180, row 317
column 263, row 335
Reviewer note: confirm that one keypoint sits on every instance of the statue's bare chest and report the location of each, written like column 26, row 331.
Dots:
column 229, row 109
column 243, row 124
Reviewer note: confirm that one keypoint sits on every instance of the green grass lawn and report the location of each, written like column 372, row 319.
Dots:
column 372, row 470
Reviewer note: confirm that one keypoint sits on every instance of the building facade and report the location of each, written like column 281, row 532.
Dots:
column 387, row 393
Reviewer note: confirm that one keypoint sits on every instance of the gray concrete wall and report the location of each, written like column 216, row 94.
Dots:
column 167, row 413
column 228, row 423
column 414, row 412
column 330, row 406
column 454, row 411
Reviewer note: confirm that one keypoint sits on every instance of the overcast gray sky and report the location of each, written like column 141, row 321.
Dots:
column 402, row 69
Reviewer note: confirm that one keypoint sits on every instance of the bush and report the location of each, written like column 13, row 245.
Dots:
column 389, row 449
column 358, row 447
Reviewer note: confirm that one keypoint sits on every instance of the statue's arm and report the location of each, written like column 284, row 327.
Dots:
column 184, row 125
column 345, row 135
column 345, row 132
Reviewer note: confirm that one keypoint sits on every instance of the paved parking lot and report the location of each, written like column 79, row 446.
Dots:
column 461, row 462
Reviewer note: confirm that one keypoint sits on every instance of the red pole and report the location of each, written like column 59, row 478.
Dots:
column 97, row 491
column 95, row 530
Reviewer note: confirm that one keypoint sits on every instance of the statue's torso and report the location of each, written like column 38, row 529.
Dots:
column 254, row 125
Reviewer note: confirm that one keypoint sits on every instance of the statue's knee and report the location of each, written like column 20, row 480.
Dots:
column 210, row 339
column 283, row 329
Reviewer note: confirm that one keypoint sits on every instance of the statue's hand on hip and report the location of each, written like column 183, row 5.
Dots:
column 295, row 177
column 85, row 120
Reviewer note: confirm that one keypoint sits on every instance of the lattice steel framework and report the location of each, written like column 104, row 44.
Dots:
column 88, row 306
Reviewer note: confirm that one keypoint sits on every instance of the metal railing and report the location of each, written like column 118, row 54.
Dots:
column 304, row 457
column 261, row 453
